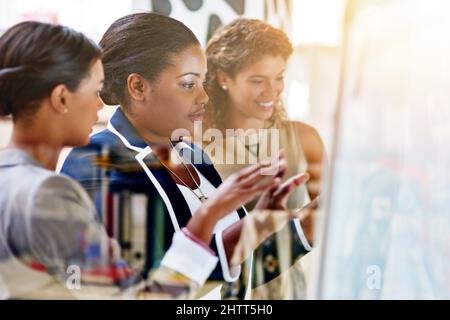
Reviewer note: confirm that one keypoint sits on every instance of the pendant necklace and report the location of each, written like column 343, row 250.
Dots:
column 202, row 198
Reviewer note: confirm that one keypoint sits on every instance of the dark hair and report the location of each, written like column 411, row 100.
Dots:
column 141, row 43
column 231, row 49
column 34, row 58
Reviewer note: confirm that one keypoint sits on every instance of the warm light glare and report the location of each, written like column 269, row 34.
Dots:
column 317, row 21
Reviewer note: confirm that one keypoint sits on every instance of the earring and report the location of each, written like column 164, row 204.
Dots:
column 65, row 110
column 224, row 88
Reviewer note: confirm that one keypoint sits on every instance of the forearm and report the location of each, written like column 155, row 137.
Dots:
column 202, row 223
column 231, row 236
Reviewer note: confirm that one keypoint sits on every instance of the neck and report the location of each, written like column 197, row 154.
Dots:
column 43, row 150
column 237, row 120
column 150, row 137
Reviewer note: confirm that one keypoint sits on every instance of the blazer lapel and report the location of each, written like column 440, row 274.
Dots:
column 181, row 208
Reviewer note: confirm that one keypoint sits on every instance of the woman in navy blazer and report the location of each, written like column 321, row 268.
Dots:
column 155, row 70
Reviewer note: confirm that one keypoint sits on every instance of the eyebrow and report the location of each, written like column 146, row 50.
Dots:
column 189, row 73
column 263, row 76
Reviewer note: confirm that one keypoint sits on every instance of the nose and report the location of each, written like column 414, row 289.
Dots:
column 273, row 89
column 203, row 97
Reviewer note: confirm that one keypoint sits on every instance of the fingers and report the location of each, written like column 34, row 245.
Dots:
column 282, row 169
column 280, row 197
column 281, row 155
column 272, row 167
column 308, row 208
column 314, row 204
column 276, row 168
column 263, row 185
column 244, row 173
column 301, row 178
column 293, row 181
column 283, row 193
column 265, row 171
column 246, row 195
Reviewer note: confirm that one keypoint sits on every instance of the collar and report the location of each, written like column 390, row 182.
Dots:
column 122, row 128
column 13, row 157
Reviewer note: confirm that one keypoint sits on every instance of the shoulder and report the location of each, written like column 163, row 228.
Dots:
column 60, row 196
column 105, row 137
column 61, row 187
column 310, row 140
column 43, row 193
column 305, row 130
column 27, row 183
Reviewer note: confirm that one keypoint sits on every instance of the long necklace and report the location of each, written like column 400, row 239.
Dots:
column 250, row 147
column 202, row 197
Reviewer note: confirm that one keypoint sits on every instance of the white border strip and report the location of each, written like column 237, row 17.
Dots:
column 302, row 236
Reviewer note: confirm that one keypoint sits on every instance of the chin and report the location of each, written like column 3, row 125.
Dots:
column 81, row 142
column 264, row 116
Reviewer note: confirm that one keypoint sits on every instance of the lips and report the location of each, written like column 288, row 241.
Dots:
column 266, row 104
column 198, row 115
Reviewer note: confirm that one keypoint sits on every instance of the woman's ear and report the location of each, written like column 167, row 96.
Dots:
column 59, row 98
column 137, row 86
column 223, row 79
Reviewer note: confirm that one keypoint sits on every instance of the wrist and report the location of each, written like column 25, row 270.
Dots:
column 197, row 240
column 202, row 224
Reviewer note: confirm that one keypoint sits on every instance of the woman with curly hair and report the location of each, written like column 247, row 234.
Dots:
column 245, row 81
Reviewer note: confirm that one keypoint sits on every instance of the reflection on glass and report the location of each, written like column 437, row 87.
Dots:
column 386, row 235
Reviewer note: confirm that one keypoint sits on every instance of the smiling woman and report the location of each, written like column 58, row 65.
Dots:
column 246, row 63
column 245, row 82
